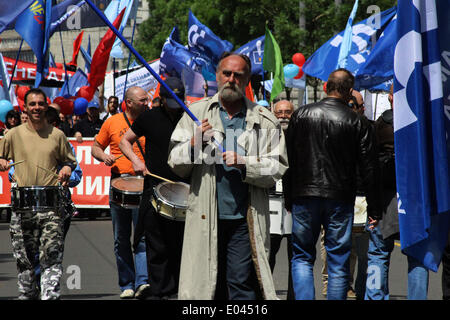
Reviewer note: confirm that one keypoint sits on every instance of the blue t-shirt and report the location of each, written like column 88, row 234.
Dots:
column 232, row 192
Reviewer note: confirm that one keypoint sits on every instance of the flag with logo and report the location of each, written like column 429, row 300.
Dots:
column 33, row 25
column 62, row 11
column 203, row 41
column 378, row 70
column 174, row 56
column 324, row 60
column 422, row 163
column 273, row 63
column 255, row 51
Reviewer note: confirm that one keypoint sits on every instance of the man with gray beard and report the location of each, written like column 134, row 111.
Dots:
column 225, row 248
column 281, row 223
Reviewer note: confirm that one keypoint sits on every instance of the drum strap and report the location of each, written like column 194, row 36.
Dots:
column 137, row 141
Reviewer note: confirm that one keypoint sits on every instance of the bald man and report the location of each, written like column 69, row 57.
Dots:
column 326, row 142
column 133, row 275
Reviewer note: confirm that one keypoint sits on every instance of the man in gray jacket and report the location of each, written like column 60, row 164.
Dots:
column 226, row 240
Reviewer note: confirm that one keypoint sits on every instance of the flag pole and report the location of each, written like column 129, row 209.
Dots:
column 146, row 65
column 64, row 59
column 142, row 60
column 129, row 60
column 15, row 65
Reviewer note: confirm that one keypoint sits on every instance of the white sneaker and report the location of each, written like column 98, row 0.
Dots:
column 141, row 291
column 127, row 294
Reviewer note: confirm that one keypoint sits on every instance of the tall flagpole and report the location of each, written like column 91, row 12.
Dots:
column 64, row 59
column 15, row 65
column 146, row 65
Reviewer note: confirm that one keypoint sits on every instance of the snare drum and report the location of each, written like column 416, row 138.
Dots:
column 360, row 217
column 127, row 191
column 170, row 200
column 36, row 198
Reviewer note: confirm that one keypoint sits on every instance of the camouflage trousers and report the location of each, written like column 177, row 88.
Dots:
column 33, row 233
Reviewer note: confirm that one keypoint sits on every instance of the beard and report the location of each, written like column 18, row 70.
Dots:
column 230, row 93
column 284, row 124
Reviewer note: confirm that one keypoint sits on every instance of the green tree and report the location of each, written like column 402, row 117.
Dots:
column 240, row 21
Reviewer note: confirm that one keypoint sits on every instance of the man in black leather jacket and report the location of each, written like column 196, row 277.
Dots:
column 325, row 143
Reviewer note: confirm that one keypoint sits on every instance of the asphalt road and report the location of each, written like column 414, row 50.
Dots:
column 90, row 267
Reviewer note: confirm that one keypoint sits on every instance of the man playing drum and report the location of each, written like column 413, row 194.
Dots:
column 132, row 274
column 36, row 221
column 164, row 237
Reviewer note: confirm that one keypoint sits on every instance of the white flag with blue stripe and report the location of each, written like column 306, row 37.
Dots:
column 422, row 170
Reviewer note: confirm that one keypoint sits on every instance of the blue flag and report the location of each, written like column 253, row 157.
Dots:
column 422, row 163
column 86, row 53
column 73, row 84
column 131, row 8
column 62, row 11
column 193, row 84
column 203, row 41
column 174, row 56
column 34, row 27
column 347, row 41
column 324, row 60
column 378, row 71
column 255, row 51
column 10, row 10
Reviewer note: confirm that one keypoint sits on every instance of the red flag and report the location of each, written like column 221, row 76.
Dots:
column 101, row 57
column 249, row 92
column 76, row 48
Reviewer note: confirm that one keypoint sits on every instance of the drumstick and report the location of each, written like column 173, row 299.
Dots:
column 14, row 163
column 49, row 171
column 161, row 178
column 118, row 157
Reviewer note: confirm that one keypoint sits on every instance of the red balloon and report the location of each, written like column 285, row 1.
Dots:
column 21, row 91
column 86, row 92
column 124, row 106
column 59, row 65
column 299, row 74
column 58, row 100
column 298, row 59
column 66, row 105
column 325, row 87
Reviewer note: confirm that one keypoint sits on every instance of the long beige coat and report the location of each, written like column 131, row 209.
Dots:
column 266, row 162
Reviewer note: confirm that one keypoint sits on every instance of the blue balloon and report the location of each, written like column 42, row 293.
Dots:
column 263, row 103
column 290, row 70
column 5, row 106
column 80, row 106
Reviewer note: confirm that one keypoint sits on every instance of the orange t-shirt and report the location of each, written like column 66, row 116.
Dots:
column 110, row 134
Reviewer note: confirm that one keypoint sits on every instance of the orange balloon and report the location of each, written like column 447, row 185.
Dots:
column 325, row 87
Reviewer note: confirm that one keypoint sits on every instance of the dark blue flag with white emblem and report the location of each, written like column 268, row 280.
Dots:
column 422, row 163
column 324, row 60
column 203, row 41
column 378, row 70
column 255, row 51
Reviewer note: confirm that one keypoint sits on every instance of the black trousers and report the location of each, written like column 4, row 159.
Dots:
column 275, row 242
column 446, row 272
column 236, row 276
column 164, row 242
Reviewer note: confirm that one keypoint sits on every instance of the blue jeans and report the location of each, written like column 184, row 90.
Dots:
column 132, row 274
column 417, row 280
column 379, row 256
column 308, row 214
